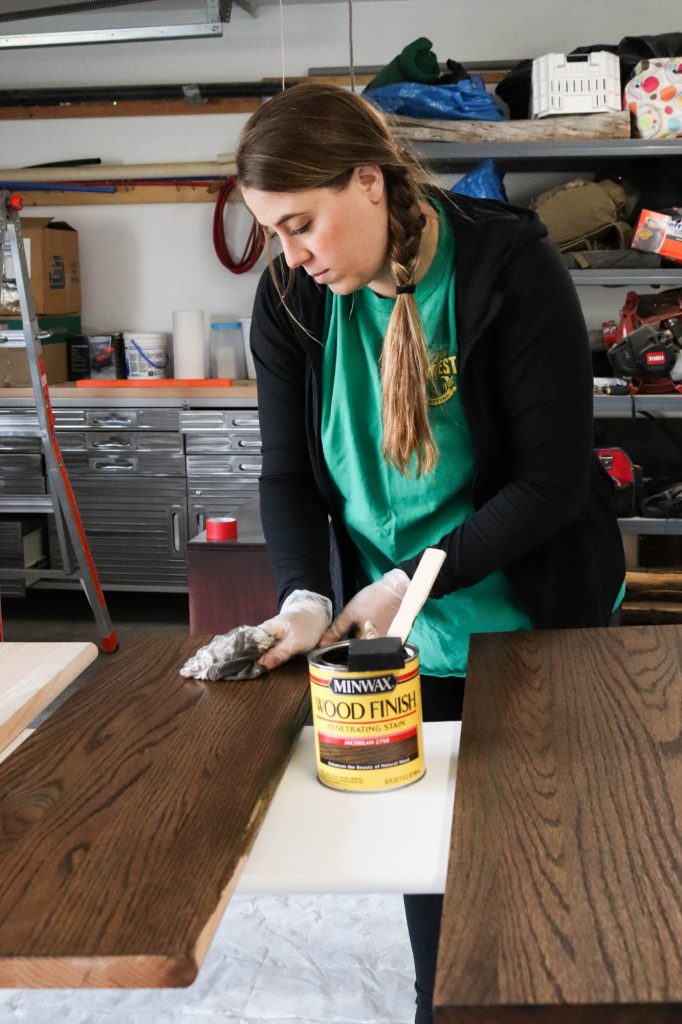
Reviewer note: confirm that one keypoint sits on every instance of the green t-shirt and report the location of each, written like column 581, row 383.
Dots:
column 391, row 517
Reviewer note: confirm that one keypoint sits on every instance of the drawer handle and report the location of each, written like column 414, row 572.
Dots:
column 175, row 521
column 112, row 444
column 244, row 423
column 247, row 467
column 114, row 467
column 107, row 420
column 249, row 443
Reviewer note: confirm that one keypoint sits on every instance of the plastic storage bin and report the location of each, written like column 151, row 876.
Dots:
column 246, row 331
column 576, row 83
column 226, row 350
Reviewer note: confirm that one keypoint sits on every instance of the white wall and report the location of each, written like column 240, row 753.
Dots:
column 141, row 262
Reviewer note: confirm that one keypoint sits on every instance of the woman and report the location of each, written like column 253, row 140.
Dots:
column 423, row 380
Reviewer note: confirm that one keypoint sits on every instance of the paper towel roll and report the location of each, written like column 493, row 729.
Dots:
column 188, row 343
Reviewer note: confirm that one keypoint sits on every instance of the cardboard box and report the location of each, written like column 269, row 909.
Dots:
column 60, row 327
column 14, row 371
column 52, row 255
column 661, row 233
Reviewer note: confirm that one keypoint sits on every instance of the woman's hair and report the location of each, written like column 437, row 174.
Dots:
column 314, row 136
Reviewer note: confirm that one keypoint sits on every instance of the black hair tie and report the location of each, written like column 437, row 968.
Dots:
column 405, row 289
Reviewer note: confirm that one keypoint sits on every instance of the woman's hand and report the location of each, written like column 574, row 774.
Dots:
column 302, row 620
column 372, row 610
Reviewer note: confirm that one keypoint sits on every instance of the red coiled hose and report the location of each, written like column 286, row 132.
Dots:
column 254, row 243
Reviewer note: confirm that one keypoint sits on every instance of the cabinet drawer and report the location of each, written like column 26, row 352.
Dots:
column 223, row 441
column 117, row 419
column 218, row 419
column 207, row 466
column 18, row 466
column 88, row 463
column 112, row 442
column 20, row 444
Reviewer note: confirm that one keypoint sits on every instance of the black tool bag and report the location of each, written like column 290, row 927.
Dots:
column 662, row 498
column 626, row 478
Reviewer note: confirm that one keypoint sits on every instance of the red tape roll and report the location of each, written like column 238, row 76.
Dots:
column 221, row 528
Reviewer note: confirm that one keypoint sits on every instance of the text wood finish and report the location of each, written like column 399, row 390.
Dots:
column 126, row 818
column 563, row 901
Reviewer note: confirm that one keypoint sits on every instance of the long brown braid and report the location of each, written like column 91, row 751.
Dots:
column 404, row 355
column 313, row 136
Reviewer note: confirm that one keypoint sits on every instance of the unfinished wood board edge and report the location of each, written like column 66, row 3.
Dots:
column 256, row 820
column 38, row 700
column 653, row 580
column 97, row 972
column 16, row 742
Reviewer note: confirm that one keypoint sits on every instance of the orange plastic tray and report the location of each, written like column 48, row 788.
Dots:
column 158, row 382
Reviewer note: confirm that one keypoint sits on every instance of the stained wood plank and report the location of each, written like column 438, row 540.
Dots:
column 564, row 895
column 125, row 819
column 32, row 675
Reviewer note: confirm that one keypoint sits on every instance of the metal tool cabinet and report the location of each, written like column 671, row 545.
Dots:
column 130, row 487
column 21, row 473
column 223, row 465
column 146, row 476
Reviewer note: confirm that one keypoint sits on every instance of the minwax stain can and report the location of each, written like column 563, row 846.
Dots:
column 368, row 725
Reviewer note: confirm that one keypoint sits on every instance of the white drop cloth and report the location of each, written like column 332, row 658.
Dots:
column 280, row 960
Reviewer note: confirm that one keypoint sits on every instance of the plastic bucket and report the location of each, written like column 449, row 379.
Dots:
column 146, row 354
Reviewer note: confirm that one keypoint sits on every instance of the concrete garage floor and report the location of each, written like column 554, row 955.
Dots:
column 274, row 960
column 66, row 615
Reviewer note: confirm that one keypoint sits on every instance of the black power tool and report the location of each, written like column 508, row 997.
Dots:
column 648, row 355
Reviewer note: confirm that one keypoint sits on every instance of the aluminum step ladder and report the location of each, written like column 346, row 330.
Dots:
column 59, row 500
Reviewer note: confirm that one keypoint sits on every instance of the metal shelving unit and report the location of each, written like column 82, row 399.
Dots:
column 630, row 406
column 638, row 525
column 613, row 276
column 444, row 157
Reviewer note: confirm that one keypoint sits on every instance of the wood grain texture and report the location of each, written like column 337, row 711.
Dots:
column 578, row 127
column 131, row 108
column 564, row 895
column 32, row 675
column 231, row 584
column 126, row 817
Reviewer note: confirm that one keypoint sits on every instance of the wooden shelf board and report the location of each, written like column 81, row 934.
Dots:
column 125, row 194
column 131, row 108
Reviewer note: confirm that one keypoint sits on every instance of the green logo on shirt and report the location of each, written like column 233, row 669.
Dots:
column 443, row 379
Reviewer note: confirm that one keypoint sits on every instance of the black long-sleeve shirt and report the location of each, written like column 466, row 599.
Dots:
column 543, row 504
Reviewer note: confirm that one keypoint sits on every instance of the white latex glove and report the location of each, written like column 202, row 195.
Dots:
column 372, row 610
column 302, row 620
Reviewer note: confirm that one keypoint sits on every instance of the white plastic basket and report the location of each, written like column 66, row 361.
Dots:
column 576, row 83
